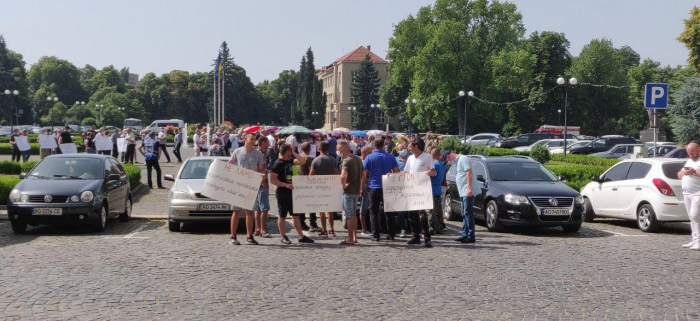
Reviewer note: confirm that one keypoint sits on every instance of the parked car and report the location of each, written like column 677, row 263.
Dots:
column 661, row 150
column 185, row 201
column 36, row 130
column 523, row 140
column 529, row 148
column 84, row 189
column 573, row 144
column 158, row 124
column 516, row 191
column 649, row 145
column 603, row 144
column 481, row 139
column 645, row 190
column 677, row 153
column 5, row 131
column 618, row 151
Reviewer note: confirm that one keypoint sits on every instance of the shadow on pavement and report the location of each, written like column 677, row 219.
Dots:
column 679, row 228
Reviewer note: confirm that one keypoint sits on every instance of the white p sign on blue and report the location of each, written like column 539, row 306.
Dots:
column 656, row 96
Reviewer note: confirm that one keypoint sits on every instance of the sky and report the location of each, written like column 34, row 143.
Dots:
column 268, row 36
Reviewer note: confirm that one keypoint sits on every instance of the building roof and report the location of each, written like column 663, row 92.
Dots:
column 359, row 55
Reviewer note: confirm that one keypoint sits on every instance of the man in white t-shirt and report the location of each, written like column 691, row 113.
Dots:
column 416, row 163
column 690, row 180
column 197, row 139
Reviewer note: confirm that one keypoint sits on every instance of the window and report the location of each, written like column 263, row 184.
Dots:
column 617, row 173
column 523, row 138
column 380, row 117
column 523, row 172
column 116, row 169
column 352, row 96
column 478, row 169
column 671, row 169
column 354, row 74
column 619, row 150
column 638, row 170
column 598, row 144
column 108, row 168
column 340, row 97
column 196, row 169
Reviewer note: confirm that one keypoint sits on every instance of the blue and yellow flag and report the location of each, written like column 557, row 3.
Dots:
column 217, row 66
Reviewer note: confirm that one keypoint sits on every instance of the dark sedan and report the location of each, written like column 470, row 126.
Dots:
column 516, row 191
column 83, row 189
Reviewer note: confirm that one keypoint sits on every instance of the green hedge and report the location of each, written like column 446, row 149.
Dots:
column 6, row 148
column 7, row 183
column 134, row 173
column 587, row 160
column 13, row 168
column 576, row 175
column 35, row 139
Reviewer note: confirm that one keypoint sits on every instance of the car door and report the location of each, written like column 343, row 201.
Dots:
column 630, row 189
column 604, row 198
column 123, row 189
column 479, row 188
column 618, row 151
column 111, row 188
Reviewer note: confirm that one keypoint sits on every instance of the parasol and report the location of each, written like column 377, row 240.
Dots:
column 375, row 132
column 251, row 129
column 294, row 130
column 342, row 130
column 358, row 133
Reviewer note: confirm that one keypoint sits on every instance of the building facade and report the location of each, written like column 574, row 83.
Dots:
column 337, row 81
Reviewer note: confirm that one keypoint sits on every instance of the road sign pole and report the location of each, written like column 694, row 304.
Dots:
column 654, row 117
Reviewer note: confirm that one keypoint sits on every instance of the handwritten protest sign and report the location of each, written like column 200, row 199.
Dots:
column 103, row 143
column 232, row 184
column 311, row 153
column 318, row 193
column 47, row 141
column 69, row 148
column 407, row 192
column 121, row 145
column 22, row 143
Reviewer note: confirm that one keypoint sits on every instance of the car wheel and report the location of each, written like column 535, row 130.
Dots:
column 492, row 223
column 571, row 228
column 646, row 219
column 101, row 222
column 447, row 211
column 18, row 227
column 126, row 216
column 173, row 226
column 588, row 214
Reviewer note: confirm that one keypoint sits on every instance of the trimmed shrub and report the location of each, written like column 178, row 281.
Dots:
column 7, row 183
column 589, row 160
column 10, row 168
column 540, row 153
column 134, row 173
column 576, row 175
column 492, row 151
column 26, row 167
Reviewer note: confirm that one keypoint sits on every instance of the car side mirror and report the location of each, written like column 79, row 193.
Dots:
column 169, row 177
column 113, row 177
column 23, row 176
column 561, row 178
column 480, row 178
column 598, row 179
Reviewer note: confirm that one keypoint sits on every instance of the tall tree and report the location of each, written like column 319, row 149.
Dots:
column 305, row 93
column 280, row 96
column 297, row 110
column 686, row 111
column 365, row 93
column 13, row 76
column 53, row 76
column 691, row 37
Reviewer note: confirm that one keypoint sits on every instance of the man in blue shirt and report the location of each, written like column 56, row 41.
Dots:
column 376, row 165
column 464, row 186
column 332, row 147
column 150, row 150
column 437, row 223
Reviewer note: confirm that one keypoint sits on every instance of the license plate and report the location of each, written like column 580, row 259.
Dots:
column 555, row 211
column 214, row 207
column 47, row 211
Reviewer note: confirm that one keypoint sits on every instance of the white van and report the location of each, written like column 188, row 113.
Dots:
column 158, row 124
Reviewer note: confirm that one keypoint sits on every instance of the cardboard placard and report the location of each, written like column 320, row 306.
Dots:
column 103, row 143
column 47, row 141
column 317, row 193
column 121, row 145
column 232, row 184
column 407, row 192
column 69, row 148
column 22, row 143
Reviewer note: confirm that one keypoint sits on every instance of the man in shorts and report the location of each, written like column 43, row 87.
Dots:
column 351, row 178
column 249, row 158
column 262, row 204
column 325, row 165
column 281, row 176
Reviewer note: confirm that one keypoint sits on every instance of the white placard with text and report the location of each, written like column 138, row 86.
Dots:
column 103, row 143
column 22, row 143
column 47, row 141
column 232, row 184
column 69, row 148
column 407, row 192
column 317, row 193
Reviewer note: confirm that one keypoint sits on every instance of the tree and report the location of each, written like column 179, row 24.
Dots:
column 691, row 37
column 365, row 93
column 124, row 72
column 447, row 48
column 280, row 96
column 305, row 93
column 297, row 110
column 686, row 111
column 13, row 77
column 51, row 75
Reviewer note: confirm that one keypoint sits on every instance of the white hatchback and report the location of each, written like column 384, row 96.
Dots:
column 645, row 190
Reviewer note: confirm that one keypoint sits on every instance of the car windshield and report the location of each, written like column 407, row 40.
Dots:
column 196, row 169
column 68, row 168
column 528, row 172
column 671, row 169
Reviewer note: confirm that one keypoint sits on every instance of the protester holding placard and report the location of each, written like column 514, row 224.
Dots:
column 262, row 203
column 325, row 165
column 304, row 168
column 376, row 165
column 45, row 143
column 115, row 139
column 101, row 140
column 402, row 216
column 351, row 178
column 281, row 176
column 437, row 221
column 23, row 146
column 89, row 143
column 419, row 162
column 249, row 158
column 130, row 146
column 15, row 150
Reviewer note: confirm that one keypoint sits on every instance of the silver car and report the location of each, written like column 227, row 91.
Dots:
column 185, row 201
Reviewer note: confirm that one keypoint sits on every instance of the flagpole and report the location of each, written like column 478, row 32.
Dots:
column 223, row 95
column 214, row 105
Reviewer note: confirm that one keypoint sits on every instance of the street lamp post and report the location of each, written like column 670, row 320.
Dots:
column 352, row 110
column 374, row 109
column 53, row 101
column 562, row 82
column 461, row 94
column 559, row 122
column 9, row 95
column 313, row 115
column 99, row 110
column 410, row 121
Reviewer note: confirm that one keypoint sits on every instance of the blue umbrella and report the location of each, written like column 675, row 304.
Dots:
column 358, row 133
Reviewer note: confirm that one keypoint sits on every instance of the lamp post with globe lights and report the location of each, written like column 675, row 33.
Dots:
column 12, row 94
column 559, row 121
column 53, row 101
column 99, row 108
column 410, row 121
column 352, row 110
column 314, row 115
column 563, row 82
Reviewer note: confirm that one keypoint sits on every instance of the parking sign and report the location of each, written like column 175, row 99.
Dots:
column 656, row 96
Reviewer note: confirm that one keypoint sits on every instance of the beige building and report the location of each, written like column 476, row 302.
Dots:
column 337, row 84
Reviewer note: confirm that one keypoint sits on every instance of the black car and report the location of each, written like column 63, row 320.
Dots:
column 602, row 144
column 516, row 191
column 84, row 189
column 523, row 140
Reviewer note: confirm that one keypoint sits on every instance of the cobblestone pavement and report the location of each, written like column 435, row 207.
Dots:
column 139, row 270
